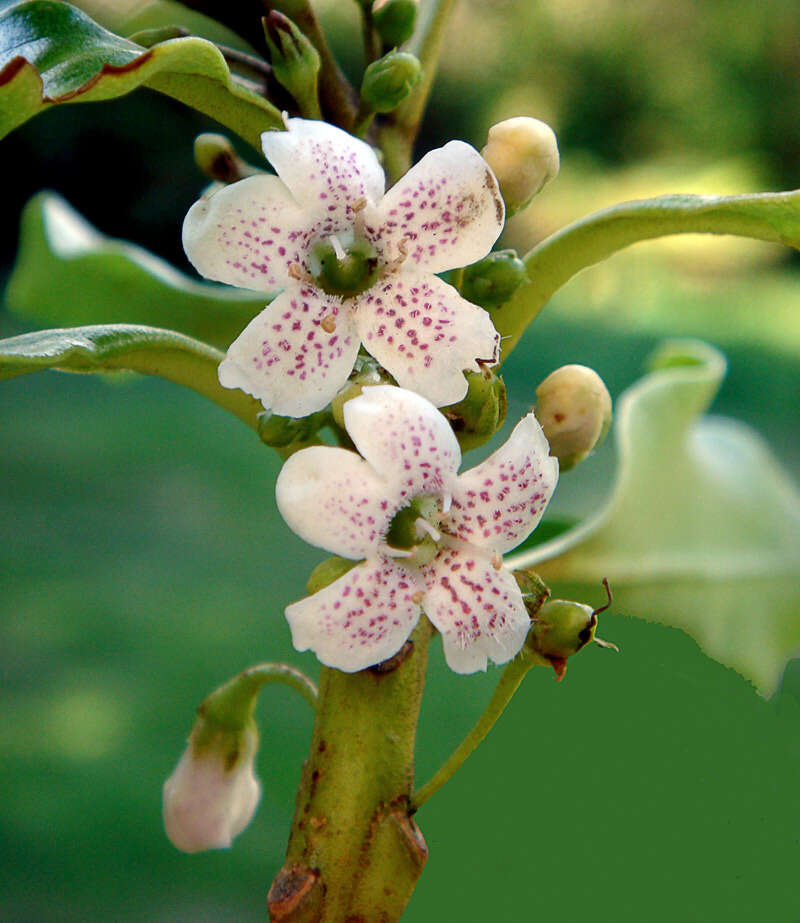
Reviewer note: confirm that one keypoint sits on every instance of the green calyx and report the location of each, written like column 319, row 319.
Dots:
column 295, row 62
column 388, row 81
column 344, row 271
column 482, row 411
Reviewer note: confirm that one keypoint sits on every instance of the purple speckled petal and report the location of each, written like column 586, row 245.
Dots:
column 333, row 499
column 425, row 334
column 359, row 620
column 247, row 234
column 447, row 211
column 291, row 356
column 477, row 608
column 406, row 440
column 497, row 504
column 327, row 170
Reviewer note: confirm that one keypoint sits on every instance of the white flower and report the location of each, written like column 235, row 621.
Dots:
column 327, row 204
column 207, row 801
column 348, row 504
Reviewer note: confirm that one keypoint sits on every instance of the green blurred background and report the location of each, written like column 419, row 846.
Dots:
column 143, row 561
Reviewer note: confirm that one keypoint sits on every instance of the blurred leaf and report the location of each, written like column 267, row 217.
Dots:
column 67, row 273
column 766, row 216
column 702, row 527
column 52, row 53
column 124, row 347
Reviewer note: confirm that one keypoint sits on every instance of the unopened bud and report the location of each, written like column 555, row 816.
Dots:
column 213, row 793
column 523, row 153
column 295, row 61
column 574, row 408
column 494, row 279
column 394, row 20
column 482, row 411
column 216, row 157
column 389, row 80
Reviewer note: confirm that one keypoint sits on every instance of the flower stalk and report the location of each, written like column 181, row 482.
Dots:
column 354, row 851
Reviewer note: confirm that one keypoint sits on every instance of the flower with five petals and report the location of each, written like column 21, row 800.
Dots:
column 430, row 539
column 354, row 265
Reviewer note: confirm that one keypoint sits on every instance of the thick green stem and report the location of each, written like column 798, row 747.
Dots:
column 765, row 216
column 354, row 851
column 398, row 135
column 510, row 681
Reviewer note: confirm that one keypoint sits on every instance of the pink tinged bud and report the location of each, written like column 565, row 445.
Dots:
column 523, row 153
column 213, row 793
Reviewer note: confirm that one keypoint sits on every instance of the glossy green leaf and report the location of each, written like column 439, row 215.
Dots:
column 125, row 347
column 68, row 274
column 52, row 53
column 767, row 216
column 703, row 525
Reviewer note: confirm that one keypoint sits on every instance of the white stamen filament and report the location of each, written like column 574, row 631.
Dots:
column 447, row 500
column 424, row 527
column 390, row 552
column 338, row 249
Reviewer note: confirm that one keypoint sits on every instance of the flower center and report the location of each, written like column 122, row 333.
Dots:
column 415, row 528
column 343, row 265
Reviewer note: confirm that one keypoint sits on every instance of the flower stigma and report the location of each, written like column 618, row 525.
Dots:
column 343, row 269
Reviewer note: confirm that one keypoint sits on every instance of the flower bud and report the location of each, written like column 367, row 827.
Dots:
column 212, row 794
column 366, row 372
column 389, row 80
column 494, row 279
column 216, row 157
column 394, row 20
column 574, row 408
column 523, row 153
column 482, row 411
column 295, row 61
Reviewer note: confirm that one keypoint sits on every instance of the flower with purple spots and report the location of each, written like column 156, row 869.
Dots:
column 354, row 266
column 428, row 539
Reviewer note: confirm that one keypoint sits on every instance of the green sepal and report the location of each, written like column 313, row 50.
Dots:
column 52, row 53
column 535, row 592
column 328, row 571
column 69, row 274
column 477, row 417
column 295, row 62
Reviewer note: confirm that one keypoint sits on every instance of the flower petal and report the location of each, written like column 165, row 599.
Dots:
column 333, row 499
column 286, row 355
column 247, row 234
column 362, row 618
column 406, row 440
column 447, row 211
column 478, row 609
column 425, row 334
column 326, row 169
column 498, row 503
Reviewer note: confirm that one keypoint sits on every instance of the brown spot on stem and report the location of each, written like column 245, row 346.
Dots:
column 296, row 895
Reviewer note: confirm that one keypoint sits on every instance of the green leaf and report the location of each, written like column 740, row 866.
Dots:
column 703, row 525
column 52, row 53
column 68, row 274
column 124, row 347
column 766, row 216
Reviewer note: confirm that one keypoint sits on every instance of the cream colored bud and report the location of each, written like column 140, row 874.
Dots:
column 523, row 153
column 574, row 409
column 212, row 794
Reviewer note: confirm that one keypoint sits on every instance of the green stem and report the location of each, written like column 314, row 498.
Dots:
column 354, row 851
column 510, row 681
column 400, row 131
column 373, row 47
column 765, row 216
column 265, row 673
column 337, row 97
